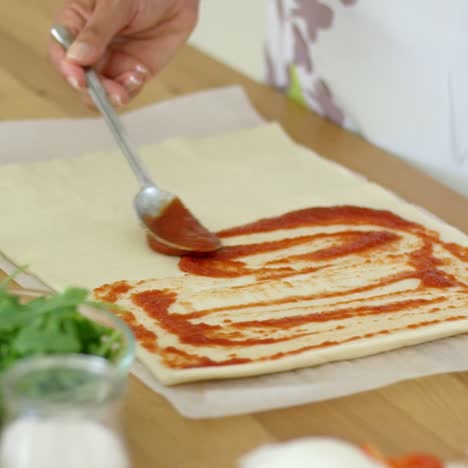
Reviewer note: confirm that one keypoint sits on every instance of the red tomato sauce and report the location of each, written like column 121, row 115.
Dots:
column 228, row 262
column 178, row 226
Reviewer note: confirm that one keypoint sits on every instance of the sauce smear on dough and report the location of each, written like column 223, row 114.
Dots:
column 359, row 233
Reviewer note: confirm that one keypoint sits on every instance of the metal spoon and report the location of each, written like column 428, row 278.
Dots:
column 171, row 228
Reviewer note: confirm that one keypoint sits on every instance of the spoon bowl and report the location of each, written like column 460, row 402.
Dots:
column 171, row 228
column 150, row 201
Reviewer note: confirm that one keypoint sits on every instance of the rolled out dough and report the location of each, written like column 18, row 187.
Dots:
column 289, row 298
column 80, row 228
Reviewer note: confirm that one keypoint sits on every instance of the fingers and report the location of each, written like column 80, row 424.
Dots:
column 74, row 18
column 116, row 93
column 132, row 82
column 157, row 51
column 74, row 74
column 127, row 70
column 124, row 63
column 106, row 20
column 132, row 62
column 94, row 29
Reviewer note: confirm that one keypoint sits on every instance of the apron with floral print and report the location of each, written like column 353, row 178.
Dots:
column 396, row 71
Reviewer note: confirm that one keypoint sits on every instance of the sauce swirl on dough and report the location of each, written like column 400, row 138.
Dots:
column 306, row 280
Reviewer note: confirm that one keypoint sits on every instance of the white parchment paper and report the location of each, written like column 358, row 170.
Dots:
column 224, row 110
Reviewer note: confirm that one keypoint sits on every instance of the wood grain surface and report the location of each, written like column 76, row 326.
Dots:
column 427, row 414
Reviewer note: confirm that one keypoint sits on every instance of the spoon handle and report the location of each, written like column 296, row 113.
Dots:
column 64, row 37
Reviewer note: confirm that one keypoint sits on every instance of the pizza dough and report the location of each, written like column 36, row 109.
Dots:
column 311, row 286
column 71, row 221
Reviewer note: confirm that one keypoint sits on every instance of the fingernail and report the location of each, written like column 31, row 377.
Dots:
column 79, row 51
column 117, row 100
column 141, row 69
column 73, row 82
column 133, row 82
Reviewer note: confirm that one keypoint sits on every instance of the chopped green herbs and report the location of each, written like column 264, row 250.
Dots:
column 52, row 325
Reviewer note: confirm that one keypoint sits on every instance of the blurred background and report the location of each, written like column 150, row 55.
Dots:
column 233, row 31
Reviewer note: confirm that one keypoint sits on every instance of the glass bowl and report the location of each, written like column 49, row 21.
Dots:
column 124, row 359
column 61, row 380
column 64, row 403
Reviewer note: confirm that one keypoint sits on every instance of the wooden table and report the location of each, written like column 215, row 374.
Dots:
column 427, row 414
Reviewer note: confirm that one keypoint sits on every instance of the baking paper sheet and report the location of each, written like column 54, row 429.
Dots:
column 224, row 110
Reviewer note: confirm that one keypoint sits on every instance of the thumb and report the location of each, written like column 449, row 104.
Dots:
column 107, row 19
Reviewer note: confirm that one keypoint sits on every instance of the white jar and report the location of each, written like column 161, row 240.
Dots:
column 63, row 412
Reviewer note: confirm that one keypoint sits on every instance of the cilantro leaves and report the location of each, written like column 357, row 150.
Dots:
column 51, row 325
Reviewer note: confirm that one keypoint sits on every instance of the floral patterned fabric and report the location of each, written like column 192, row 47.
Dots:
column 304, row 19
column 394, row 71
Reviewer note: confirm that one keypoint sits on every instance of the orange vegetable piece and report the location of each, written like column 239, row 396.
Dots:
column 416, row 461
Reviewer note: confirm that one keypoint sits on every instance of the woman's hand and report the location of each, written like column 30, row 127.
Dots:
column 126, row 41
